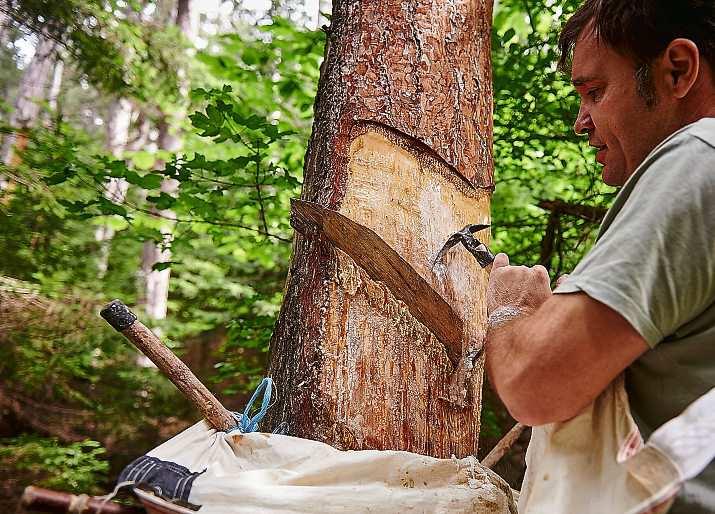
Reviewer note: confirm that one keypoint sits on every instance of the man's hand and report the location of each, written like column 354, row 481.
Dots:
column 549, row 355
column 519, row 288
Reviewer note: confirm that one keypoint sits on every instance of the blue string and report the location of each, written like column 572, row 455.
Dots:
column 246, row 423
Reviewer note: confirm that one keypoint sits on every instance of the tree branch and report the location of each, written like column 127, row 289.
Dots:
column 590, row 213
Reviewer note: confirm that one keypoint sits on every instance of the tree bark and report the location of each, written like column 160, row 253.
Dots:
column 32, row 90
column 401, row 144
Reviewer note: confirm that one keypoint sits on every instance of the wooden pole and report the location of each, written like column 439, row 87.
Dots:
column 123, row 320
column 503, row 446
column 37, row 499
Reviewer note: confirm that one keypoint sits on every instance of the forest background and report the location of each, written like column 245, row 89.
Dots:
column 149, row 153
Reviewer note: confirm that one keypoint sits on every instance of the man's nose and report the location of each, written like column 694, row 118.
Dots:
column 584, row 123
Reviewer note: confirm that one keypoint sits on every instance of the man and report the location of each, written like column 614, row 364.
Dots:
column 643, row 300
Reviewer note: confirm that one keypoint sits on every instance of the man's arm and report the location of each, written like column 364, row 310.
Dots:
column 551, row 362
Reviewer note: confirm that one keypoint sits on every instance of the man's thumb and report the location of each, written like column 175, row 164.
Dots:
column 500, row 261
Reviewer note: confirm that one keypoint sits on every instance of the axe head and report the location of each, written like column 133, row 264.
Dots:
column 466, row 237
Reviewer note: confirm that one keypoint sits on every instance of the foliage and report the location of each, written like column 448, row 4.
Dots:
column 242, row 163
column 106, row 42
column 537, row 156
column 76, row 467
column 57, row 351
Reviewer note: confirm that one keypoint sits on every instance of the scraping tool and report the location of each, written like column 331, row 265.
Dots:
column 466, row 237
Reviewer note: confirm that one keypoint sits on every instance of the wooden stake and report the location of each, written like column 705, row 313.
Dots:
column 503, row 446
column 123, row 320
column 37, row 499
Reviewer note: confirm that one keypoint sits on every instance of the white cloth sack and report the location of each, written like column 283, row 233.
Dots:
column 259, row 472
column 597, row 463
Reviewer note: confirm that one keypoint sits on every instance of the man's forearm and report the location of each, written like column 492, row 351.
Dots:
column 509, row 361
column 528, row 366
column 548, row 365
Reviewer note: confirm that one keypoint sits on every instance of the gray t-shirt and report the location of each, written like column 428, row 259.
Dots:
column 654, row 263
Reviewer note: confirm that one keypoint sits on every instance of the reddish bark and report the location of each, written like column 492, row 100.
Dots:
column 401, row 144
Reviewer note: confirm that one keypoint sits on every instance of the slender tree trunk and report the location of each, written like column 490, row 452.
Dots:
column 32, row 90
column 402, row 145
column 115, row 189
column 5, row 23
column 56, row 87
column 156, row 282
column 118, row 126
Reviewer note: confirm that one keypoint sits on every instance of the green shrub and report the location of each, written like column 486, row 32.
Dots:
column 76, row 467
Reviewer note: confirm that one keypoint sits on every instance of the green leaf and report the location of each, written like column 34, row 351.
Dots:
column 151, row 181
column 107, row 207
column 143, row 160
column 57, row 178
column 160, row 266
column 163, row 201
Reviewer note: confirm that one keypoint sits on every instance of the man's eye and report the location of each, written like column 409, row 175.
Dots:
column 594, row 94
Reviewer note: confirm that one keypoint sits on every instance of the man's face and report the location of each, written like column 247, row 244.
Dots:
column 615, row 117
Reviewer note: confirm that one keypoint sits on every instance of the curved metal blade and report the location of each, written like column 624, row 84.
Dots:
column 471, row 243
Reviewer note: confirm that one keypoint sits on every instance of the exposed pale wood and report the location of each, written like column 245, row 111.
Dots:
column 401, row 145
column 384, row 264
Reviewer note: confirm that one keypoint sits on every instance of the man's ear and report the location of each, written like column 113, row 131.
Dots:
column 681, row 61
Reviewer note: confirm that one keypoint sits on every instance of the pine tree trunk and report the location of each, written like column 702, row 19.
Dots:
column 401, row 144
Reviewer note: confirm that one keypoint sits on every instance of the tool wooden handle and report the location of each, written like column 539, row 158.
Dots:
column 37, row 499
column 123, row 320
column 503, row 446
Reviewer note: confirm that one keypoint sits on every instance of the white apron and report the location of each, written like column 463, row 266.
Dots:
column 596, row 463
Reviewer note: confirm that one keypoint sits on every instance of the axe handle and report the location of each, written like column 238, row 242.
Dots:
column 124, row 321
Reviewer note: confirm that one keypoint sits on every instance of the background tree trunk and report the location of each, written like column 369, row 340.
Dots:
column 53, row 97
column 115, row 189
column 33, row 89
column 156, row 282
column 401, row 144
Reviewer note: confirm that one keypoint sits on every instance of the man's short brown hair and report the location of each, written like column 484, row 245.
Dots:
column 642, row 29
